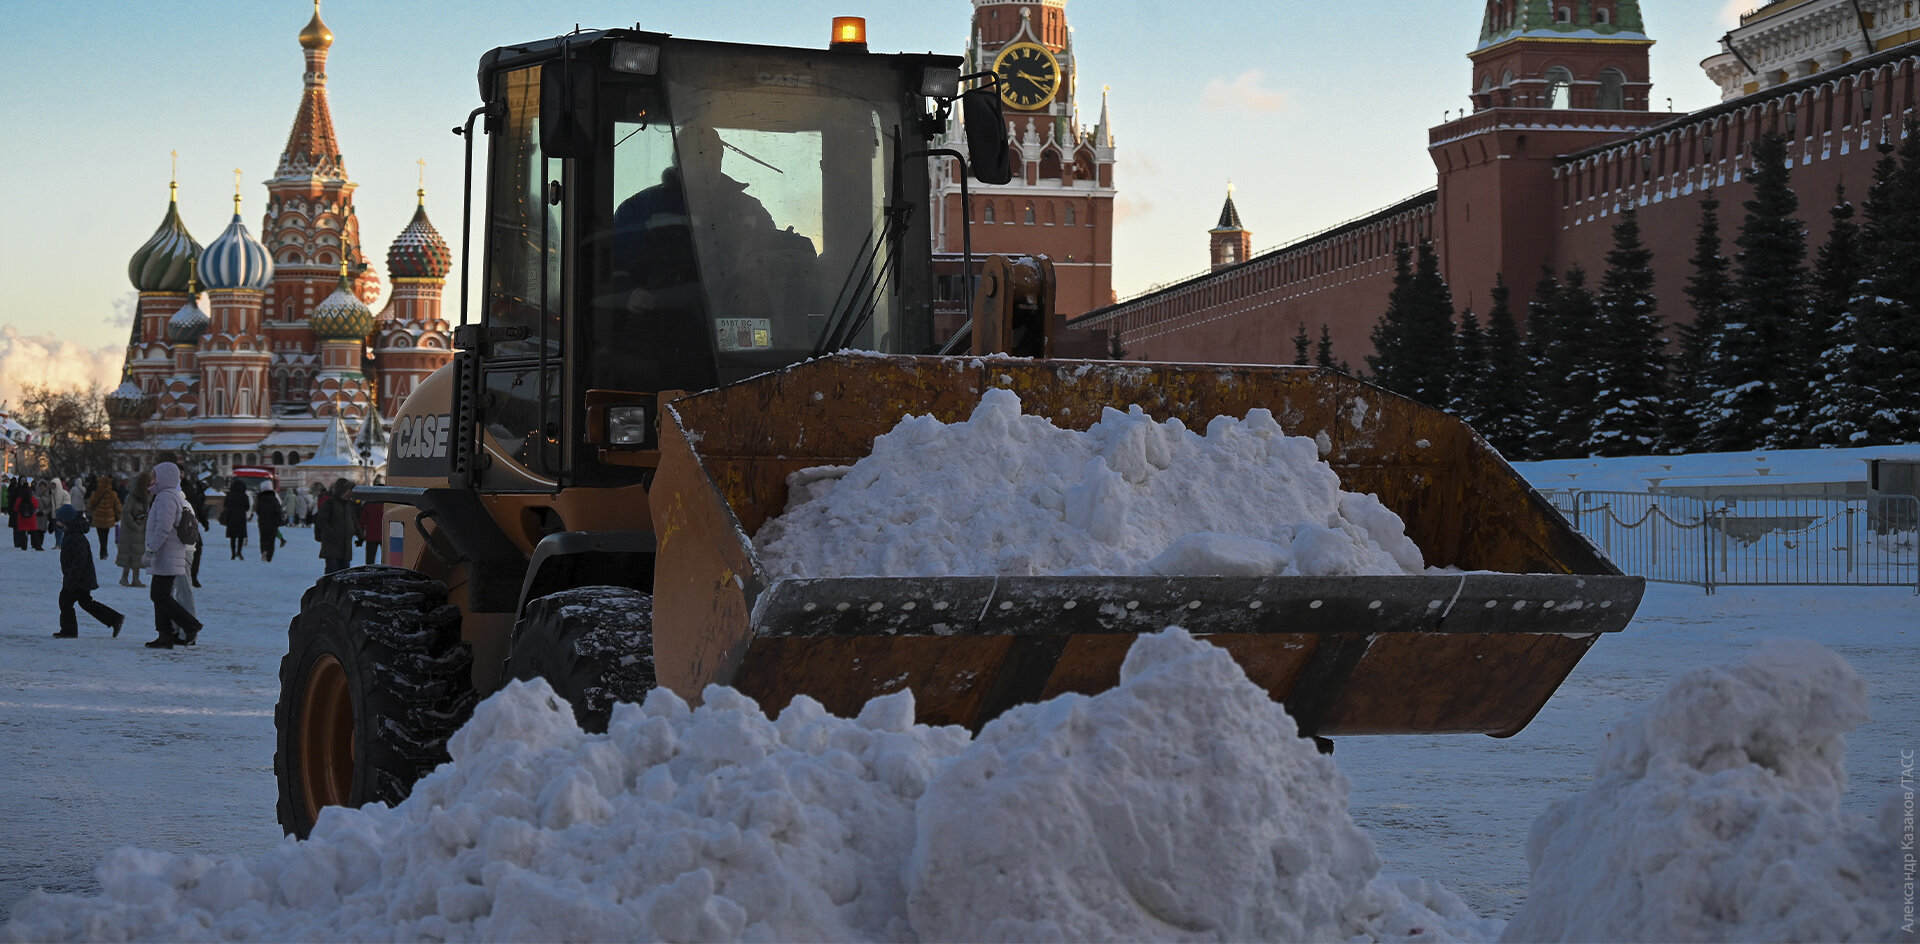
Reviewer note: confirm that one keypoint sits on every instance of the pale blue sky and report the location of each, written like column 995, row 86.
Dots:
column 1317, row 110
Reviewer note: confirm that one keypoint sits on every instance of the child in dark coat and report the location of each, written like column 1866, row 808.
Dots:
column 77, row 581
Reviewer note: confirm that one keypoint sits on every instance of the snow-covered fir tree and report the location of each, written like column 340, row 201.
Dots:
column 1565, row 367
column 1763, row 345
column 1469, row 369
column 1709, row 291
column 1631, row 349
column 1836, row 403
column 1887, row 308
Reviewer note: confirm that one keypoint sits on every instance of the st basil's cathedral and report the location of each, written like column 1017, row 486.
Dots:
column 266, row 351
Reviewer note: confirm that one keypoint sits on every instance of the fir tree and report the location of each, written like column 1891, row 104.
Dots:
column 1836, row 403
column 1631, row 350
column 1506, row 395
column 1708, row 291
column 1575, row 392
column 1323, row 351
column 1888, row 305
column 1469, row 385
column 1413, row 340
column 1301, row 343
column 1543, row 351
column 1764, row 342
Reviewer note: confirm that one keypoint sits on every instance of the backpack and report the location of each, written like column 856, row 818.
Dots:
column 187, row 529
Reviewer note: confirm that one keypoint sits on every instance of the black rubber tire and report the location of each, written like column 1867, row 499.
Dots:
column 376, row 678
column 594, row 645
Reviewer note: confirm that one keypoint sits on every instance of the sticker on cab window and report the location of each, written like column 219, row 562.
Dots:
column 744, row 334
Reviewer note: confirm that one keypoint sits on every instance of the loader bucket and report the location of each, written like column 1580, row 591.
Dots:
column 1479, row 650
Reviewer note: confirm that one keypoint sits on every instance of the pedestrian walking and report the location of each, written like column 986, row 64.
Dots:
column 42, row 515
column 172, row 624
column 57, row 498
column 20, row 509
column 334, row 527
column 77, row 578
column 196, row 492
column 233, row 514
column 267, row 514
column 103, row 506
column 133, row 531
column 372, row 516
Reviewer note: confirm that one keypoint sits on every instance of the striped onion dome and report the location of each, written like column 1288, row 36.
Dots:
column 188, row 324
column 165, row 262
column 127, row 400
column 236, row 260
column 419, row 252
column 342, row 316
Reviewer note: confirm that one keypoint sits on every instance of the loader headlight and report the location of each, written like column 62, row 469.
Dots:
column 637, row 58
column 940, row 82
column 627, row 425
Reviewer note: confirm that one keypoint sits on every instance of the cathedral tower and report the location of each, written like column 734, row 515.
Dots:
column 160, row 271
column 341, row 322
column 1060, row 201
column 233, row 355
column 309, row 227
column 412, row 339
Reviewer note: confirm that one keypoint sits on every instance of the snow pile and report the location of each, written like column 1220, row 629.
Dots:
column 1714, row 816
column 1180, row 805
column 1009, row 494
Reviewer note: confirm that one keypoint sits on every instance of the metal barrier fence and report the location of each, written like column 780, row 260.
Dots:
column 1829, row 540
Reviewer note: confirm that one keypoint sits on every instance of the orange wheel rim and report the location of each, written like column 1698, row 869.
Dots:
column 326, row 737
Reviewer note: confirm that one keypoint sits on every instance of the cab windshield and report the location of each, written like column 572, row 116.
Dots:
column 754, row 212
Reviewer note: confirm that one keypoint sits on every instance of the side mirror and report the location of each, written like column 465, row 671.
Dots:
column 567, row 108
column 987, row 135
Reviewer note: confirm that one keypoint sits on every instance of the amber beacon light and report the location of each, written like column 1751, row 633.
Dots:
column 850, row 32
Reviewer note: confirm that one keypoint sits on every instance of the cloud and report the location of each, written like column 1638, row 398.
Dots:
column 1243, row 94
column 125, row 309
column 1731, row 11
column 45, row 360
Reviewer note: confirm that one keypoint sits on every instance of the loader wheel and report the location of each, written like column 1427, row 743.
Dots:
column 594, row 645
column 374, row 681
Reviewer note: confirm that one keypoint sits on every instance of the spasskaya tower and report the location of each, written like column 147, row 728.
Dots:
column 1060, row 200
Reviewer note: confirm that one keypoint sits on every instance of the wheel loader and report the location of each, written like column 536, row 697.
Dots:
column 706, row 266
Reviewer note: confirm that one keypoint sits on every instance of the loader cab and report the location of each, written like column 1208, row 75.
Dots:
column 667, row 214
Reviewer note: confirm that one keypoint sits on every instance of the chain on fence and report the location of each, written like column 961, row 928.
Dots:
column 1831, row 540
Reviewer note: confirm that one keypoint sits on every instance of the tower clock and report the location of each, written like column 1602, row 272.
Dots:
column 1029, row 76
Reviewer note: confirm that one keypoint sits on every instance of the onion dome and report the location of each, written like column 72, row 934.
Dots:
column 419, row 252
column 316, row 35
column 128, row 401
column 236, row 260
column 165, row 262
column 188, row 324
column 342, row 316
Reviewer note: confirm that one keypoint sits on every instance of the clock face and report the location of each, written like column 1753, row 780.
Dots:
column 1029, row 76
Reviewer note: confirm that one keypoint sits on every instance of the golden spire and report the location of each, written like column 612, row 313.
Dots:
column 423, row 180
column 173, row 180
column 236, row 188
column 316, row 35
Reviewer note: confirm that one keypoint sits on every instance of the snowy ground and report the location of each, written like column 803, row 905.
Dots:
column 113, row 744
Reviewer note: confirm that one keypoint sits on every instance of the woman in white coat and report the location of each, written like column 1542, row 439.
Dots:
column 169, row 560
